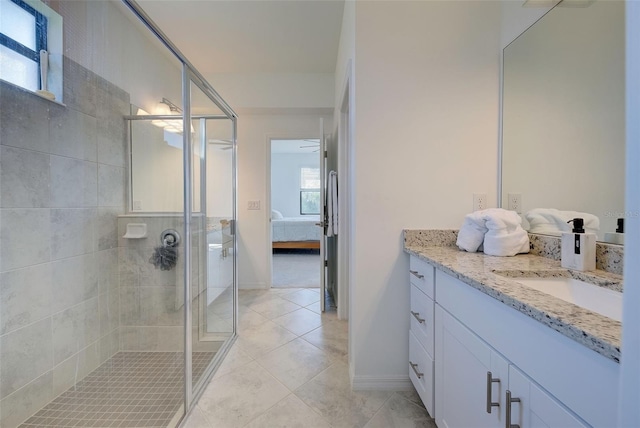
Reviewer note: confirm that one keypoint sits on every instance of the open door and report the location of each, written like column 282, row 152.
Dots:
column 323, row 216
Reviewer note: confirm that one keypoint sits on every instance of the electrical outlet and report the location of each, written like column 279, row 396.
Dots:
column 253, row 205
column 514, row 202
column 137, row 205
column 479, row 201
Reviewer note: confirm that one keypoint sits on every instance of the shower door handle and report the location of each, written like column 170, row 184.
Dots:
column 232, row 227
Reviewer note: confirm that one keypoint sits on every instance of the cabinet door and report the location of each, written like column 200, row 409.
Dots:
column 463, row 388
column 536, row 408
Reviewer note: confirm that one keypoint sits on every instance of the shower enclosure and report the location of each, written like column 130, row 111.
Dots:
column 117, row 226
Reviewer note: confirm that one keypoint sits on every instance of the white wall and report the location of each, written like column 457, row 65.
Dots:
column 426, row 117
column 254, row 132
column 346, row 53
column 285, row 179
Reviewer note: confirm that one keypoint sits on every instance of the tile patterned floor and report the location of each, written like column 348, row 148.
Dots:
column 131, row 389
column 289, row 368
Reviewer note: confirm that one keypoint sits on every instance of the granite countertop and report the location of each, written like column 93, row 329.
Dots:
column 595, row 331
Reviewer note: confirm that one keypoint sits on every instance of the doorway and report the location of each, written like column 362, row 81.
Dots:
column 295, row 213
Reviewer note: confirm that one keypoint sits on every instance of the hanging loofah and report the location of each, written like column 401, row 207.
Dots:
column 164, row 257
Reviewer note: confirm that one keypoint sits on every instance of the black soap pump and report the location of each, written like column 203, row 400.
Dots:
column 578, row 249
column 618, row 236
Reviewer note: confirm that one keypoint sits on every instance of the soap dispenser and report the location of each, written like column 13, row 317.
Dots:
column 618, row 236
column 578, row 248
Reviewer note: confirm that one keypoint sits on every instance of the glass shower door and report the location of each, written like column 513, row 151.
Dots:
column 213, row 222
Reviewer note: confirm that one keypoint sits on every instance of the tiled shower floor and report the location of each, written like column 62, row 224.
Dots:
column 131, row 389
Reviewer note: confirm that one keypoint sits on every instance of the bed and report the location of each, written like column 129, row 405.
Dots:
column 296, row 232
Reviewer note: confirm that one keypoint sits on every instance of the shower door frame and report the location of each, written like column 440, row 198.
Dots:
column 187, row 242
column 189, row 75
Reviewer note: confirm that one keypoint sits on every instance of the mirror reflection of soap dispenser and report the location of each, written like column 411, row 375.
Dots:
column 578, row 249
column 618, row 236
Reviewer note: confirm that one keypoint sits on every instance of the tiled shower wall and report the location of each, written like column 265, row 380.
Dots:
column 152, row 308
column 62, row 186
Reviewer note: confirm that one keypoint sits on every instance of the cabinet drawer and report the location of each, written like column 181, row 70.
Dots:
column 421, row 372
column 422, row 318
column 422, row 275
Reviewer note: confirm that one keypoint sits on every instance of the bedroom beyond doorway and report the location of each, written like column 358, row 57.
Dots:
column 295, row 212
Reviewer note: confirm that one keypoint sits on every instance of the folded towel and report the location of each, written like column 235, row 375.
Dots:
column 498, row 230
column 471, row 233
column 505, row 235
column 550, row 221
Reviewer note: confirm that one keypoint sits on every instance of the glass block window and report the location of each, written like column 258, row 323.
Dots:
column 23, row 33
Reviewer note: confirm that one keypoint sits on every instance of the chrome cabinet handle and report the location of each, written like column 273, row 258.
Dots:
column 416, row 274
column 490, row 381
column 415, row 370
column 510, row 400
column 416, row 316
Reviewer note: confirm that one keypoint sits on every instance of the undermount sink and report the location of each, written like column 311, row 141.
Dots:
column 589, row 296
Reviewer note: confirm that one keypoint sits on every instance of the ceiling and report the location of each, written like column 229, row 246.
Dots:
column 238, row 36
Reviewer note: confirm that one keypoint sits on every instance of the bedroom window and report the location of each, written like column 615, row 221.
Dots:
column 309, row 191
column 23, row 34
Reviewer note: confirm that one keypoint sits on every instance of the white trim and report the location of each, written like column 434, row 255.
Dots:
column 267, row 213
column 629, row 394
column 345, row 150
column 500, row 118
column 381, row 383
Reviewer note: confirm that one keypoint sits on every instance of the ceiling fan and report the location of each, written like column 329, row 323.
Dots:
column 315, row 143
column 227, row 144
column 560, row 3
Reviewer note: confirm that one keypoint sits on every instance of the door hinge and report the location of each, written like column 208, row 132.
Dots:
column 325, row 153
column 326, row 263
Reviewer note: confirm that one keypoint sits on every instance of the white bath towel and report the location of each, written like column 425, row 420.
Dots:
column 471, row 234
column 499, row 232
column 505, row 235
column 550, row 221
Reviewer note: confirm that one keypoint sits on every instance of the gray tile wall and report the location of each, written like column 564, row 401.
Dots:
column 62, row 187
column 152, row 309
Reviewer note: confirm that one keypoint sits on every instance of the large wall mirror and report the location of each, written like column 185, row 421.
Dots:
column 563, row 116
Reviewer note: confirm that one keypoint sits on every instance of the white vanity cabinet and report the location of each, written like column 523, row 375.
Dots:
column 421, row 334
column 476, row 386
column 471, row 378
column 552, row 380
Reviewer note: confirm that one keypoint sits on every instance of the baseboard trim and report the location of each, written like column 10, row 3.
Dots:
column 381, row 383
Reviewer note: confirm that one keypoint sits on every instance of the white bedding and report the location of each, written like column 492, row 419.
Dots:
column 296, row 229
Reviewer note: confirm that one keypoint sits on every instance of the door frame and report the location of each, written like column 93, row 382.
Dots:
column 267, row 202
column 346, row 158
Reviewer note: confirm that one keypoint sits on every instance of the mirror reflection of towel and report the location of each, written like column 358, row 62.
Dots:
column 332, row 204
column 550, row 221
